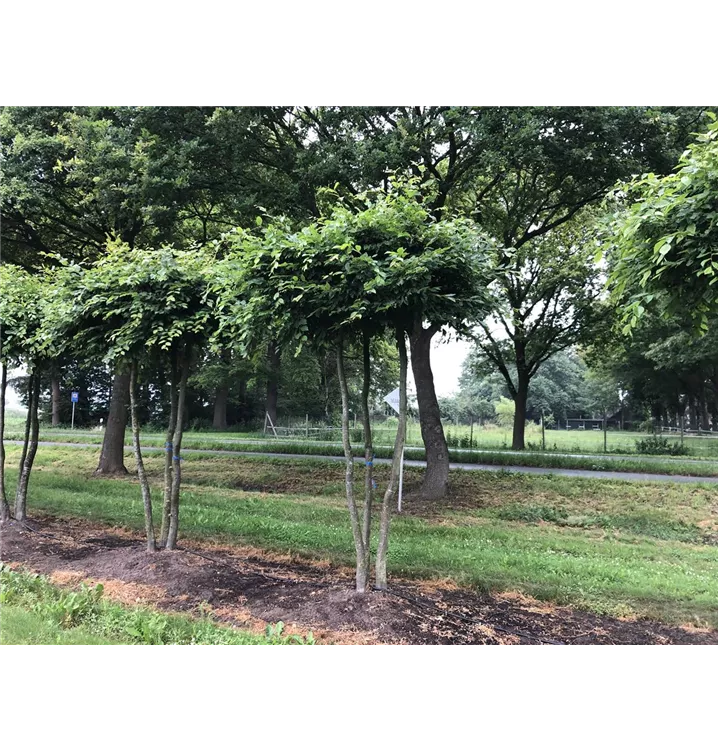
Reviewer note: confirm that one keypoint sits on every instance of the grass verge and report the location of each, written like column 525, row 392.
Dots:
column 608, row 546
column 34, row 611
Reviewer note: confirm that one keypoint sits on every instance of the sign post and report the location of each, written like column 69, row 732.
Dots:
column 393, row 400
column 75, row 399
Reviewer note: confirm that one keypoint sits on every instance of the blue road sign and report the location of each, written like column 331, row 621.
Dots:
column 75, row 397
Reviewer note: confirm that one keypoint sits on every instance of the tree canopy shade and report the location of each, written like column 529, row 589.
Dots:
column 135, row 307
column 665, row 244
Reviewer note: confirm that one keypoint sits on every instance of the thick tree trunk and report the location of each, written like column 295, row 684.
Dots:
column 219, row 422
column 368, row 452
column 55, row 401
column 167, row 499
column 176, row 448
column 391, row 490
column 436, row 476
column 141, row 475
column 273, row 365
column 112, row 457
column 522, row 393
column 362, row 572
column 32, row 430
column 4, row 506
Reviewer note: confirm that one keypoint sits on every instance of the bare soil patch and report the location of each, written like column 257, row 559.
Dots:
column 250, row 588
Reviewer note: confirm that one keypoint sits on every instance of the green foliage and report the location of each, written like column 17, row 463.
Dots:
column 86, row 611
column 664, row 242
column 133, row 304
column 658, row 445
column 505, row 410
column 372, row 268
column 24, row 307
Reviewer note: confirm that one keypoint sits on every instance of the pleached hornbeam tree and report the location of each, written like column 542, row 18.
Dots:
column 352, row 276
column 135, row 308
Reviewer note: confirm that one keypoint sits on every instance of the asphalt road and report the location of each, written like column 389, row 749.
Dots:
column 585, row 473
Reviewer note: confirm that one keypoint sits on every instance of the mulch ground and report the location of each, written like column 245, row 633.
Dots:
column 250, row 588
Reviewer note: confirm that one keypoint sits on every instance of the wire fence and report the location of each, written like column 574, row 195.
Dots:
column 491, row 437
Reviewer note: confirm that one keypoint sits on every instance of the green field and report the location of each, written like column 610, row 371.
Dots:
column 699, row 464
column 607, row 546
column 489, row 437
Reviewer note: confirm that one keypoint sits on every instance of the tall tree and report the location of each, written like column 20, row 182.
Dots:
column 545, row 299
column 520, row 173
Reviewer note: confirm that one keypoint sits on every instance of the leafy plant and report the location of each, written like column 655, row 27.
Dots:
column 659, row 445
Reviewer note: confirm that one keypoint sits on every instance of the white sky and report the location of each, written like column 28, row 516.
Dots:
column 446, row 361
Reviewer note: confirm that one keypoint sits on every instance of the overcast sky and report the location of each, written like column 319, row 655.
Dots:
column 446, row 361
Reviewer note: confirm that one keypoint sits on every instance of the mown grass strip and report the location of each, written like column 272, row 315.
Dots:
column 621, row 567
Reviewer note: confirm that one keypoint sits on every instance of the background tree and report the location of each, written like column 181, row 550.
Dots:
column 520, row 173
column 545, row 299
column 664, row 244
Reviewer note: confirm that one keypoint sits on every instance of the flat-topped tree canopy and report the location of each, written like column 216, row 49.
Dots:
column 24, row 335
column 382, row 264
column 134, row 304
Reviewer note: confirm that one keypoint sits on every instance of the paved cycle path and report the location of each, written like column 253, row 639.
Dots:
column 630, row 476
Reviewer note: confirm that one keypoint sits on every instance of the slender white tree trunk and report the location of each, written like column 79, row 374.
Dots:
column 4, row 507
column 362, row 572
column 391, row 490
column 32, row 429
column 169, row 452
column 141, row 475
column 176, row 448
column 368, row 454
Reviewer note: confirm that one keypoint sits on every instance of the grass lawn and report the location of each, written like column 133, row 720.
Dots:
column 489, row 438
column 36, row 612
column 593, row 462
column 609, row 546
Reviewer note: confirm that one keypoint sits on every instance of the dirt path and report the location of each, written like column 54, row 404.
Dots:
column 250, row 588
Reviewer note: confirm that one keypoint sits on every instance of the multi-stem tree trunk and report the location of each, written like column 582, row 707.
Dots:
column 520, row 401
column 362, row 571
column 176, row 448
column 112, row 457
column 141, row 475
column 219, row 421
column 368, row 451
column 32, row 430
column 167, row 501
column 4, row 507
column 436, row 477
column 390, row 494
column 55, row 387
column 273, row 368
